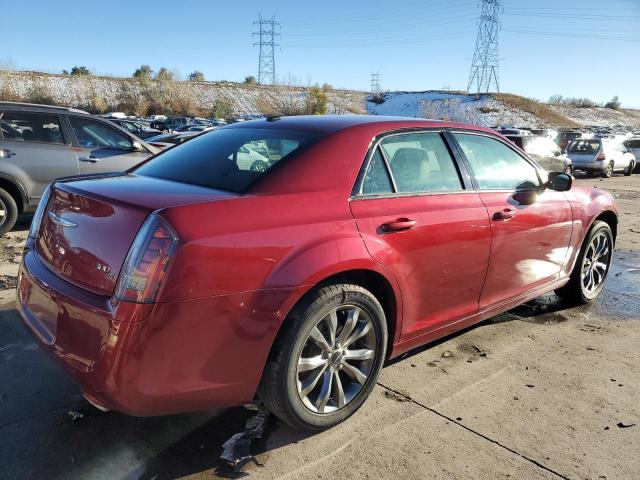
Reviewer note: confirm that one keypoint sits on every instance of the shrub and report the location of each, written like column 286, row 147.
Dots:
column 97, row 105
column 613, row 104
column 222, row 108
column 377, row 98
column 486, row 109
column 327, row 87
column 196, row 76
column 40, row 94
column 76, row 71
column 250, row 79
column 144, row 72
column 316, row 101
column 164, row 74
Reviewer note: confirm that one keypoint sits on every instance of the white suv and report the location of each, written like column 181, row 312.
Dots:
column 600, row 155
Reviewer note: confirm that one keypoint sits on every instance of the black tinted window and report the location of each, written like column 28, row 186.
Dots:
column 376, row 180
column 420, row 162
column 227, row 159
column 30, row 127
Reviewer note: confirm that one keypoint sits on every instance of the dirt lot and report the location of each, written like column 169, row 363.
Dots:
column 539, row 392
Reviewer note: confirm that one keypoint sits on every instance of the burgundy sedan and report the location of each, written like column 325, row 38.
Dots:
column 196, row 281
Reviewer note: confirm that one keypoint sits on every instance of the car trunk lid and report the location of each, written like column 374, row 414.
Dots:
column 90, row 224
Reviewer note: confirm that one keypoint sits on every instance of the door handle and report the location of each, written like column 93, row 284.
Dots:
column 505, row 214
column 398, row 225
column 6, row 153
column 89, row 159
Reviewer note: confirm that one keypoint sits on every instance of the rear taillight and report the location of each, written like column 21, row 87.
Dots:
column 146, row 264
column 37, row 217
column 601, row 156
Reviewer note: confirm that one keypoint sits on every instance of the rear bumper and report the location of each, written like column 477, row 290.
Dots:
column 176, row 357
column 599, row 166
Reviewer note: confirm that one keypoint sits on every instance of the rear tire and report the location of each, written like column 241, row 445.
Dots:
column 592, row 265
column 8, row 211
column 608, row 173
column 343, row 380
column 629, row 169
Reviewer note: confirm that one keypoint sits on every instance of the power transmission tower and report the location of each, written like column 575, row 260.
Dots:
column 267, row 43
column 484, row 67
column 375, row 82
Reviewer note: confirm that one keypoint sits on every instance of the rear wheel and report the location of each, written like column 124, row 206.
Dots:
column 608, row 173
column 592, row 266
column 8, row 211
column 630, row 168
column 327, row 359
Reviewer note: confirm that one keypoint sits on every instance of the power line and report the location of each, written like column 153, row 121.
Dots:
column 484, row 67
column 266, row 41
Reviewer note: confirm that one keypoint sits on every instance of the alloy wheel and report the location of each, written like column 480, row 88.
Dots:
column 596, row 263
column 336, row 360
column 610, row 170
column 3, row 212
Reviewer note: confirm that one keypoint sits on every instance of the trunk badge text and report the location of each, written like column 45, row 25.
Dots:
column 103, row 268
column 61, row 221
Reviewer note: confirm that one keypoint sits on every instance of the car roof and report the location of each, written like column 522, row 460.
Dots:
column 37, row 107
column 327, row 124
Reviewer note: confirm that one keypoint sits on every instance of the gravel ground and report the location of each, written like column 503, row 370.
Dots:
column 541, row 391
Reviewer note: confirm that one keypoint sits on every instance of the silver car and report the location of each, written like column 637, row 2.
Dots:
column 40, row 143
column 600, row 156
column 633, row 145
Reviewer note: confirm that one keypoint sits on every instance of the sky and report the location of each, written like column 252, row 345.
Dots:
column 575, row 48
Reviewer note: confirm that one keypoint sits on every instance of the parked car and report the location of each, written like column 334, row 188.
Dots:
column 168, row 124
column 564, row 137
column 193, row 282
column 633, row 145
column 600, row 156
column 170, row 139
column 544, row 151
column 136, row 128
column 41, row 143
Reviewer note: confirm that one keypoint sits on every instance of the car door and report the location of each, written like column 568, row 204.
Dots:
column 530, row 225
column 35, row 150
column 101, row 147
column 420, row 220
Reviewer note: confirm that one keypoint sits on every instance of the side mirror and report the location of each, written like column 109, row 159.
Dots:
column 137, row 147
column 559, row 182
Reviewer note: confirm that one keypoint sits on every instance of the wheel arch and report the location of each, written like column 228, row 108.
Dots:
column 15, row 189
column 610, row 218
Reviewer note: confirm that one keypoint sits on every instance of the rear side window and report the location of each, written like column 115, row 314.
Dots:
column 229, row 159
column 496, row 166
column 30, row 127
column 376, row 180
column 420, row 162
column 632, row 143
column 584, row 146
column 92, row 134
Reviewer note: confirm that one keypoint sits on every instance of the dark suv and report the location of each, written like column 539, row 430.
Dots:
column 40, row 143
column 167, row 125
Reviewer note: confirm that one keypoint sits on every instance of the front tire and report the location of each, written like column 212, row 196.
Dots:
column 591, row 268
column 327, row 359
column 8, row 211
column 629, row 170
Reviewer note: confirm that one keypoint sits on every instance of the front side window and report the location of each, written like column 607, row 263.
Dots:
column 420, row 162
column 227, row 159
column 495, row 165
column 30, row 127
column 92, row 134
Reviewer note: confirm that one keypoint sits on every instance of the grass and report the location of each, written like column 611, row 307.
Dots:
column 547, row 115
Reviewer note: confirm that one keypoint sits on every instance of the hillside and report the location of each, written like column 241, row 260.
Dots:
column 494, row 109
column 229, row 99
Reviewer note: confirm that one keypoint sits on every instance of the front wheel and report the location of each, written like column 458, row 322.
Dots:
column 327, row 359
column 630, row 168
column 592, row 266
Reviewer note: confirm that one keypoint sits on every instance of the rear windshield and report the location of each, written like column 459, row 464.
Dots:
column 229, row 159
column 584, row 146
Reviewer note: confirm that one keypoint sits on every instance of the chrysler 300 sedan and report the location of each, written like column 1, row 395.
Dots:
column 193, row 281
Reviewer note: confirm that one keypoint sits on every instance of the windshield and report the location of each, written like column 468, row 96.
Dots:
column 227, row 159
